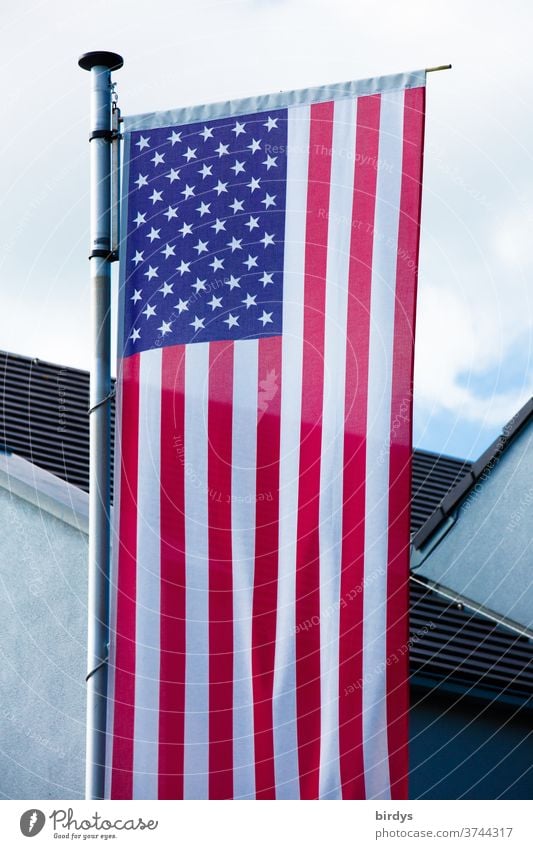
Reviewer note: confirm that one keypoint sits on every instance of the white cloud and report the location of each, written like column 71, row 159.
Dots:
column 453, row 345
column 475, row 268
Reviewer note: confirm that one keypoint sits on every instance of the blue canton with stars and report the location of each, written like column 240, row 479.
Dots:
column 206, row 227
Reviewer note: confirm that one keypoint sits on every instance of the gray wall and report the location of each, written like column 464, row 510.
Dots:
column 43, row 587
column 466, row 749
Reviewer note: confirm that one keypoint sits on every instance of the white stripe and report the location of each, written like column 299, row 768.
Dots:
column 375, row 745
column 331, row 464
column 196, row 754
column 284, row 695
column 147, row 609
column 243, row 509
column 279, row 100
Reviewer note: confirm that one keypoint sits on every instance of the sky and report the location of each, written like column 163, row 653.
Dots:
column 473, row 354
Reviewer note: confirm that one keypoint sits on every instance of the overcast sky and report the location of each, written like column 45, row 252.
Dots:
column 475, row 308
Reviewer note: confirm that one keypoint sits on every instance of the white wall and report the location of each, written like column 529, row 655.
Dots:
column 43, row 589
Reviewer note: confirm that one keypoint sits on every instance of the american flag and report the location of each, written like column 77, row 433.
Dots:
column 259, row 609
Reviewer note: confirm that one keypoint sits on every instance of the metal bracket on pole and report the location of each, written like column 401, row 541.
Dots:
column 100, row 64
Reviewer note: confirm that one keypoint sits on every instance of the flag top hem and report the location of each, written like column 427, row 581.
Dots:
column 277, row 100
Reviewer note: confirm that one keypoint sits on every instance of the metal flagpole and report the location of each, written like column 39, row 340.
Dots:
column 100, row 64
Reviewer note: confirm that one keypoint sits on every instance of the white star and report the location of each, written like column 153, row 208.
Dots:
column 183, row 267
column 218, row 225
column 268, row 239
column 255, row 145
column 201, row 247
column 149, row 311
column 154, row 234
column 143, row 142
column 188, row 192
column 222, row 149
column 185, row 230
column 164, row 328
column 203, row 209
column 254, row 184
column 266, row 318
column 138, row 257
column 166, row 289
column 231, row 321
column 270, row 162
column 237, row 205
column 221, row 187
column 233, row 283
column 251, row 262
column 252, row 223
column 175, row 137
column 235, row 244
column 266, row 278
column 271, row 124
column 141, row 181
column 238, row 129
column 152, row 272
column 199, row 286
column 198, row 323
column 249, row 301
column 181, row 306
column 140, row 219
column 238, row 167
column 173, row 174
column 136, row 296
column 168, row 250
column 207, row 133
column 215, row 303
column 206, row 171
column 158, row 158
column 135, row 334
column 190, row 154
column 155, row 196
column 217, row 263
column 172, row 212
column 269, row 200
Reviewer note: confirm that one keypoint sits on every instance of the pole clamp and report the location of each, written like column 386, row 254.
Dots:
column 111, row 256
column 96, row 668
column 108, row 135
column 107, row 398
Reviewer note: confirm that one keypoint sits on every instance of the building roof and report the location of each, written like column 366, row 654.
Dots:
column 44, row 419
column 472, row 473
column 45, row 491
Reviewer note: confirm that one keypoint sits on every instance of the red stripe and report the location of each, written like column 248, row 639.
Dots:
column 124, row 708
column 220, row 571
column 401, row 442
column 356, row 397
column 307, row 547
column 172, row 605
column 266, row 561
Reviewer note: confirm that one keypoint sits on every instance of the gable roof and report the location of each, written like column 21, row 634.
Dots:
column 472, row 473
column 45, row 491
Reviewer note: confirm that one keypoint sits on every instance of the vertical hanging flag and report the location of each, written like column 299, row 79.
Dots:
column 262, row 486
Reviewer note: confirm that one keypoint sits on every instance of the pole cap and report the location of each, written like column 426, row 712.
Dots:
column 113, row 61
